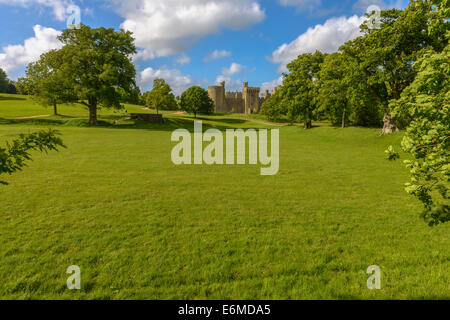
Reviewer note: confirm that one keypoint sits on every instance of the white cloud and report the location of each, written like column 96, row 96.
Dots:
column 271, row 84
column 177, row 81
column 183, row 59
column 217, row 54
column 144, row 55
column 16, row 56
column 327, row 37
column 59, row 6
column 228, row 73
column 235, row 68
column 165, row 27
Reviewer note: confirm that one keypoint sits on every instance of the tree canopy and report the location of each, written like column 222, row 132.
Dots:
column 93, row 68
column 357, row 84
column 427, row 103
column 196, row 100
column 297, row 97
column 96, row 63
column 333, row 96
column 46, row 81
column 161, row 96
column 386, row 56
column 4, row 82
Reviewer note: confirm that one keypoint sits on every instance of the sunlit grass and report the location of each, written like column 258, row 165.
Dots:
column 142, row 228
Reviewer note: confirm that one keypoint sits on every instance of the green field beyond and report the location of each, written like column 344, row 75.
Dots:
column 140, row 227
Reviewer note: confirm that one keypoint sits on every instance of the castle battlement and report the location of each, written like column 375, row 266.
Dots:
column 247, row 101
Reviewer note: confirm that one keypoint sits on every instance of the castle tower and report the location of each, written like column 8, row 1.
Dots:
column 251, row 99
column 217, row 95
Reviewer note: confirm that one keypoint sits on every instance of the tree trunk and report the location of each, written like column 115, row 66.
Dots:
column 92, row 112
column 344, row 116
column 389, row 124
column 55, row 109
column 308, row 124
column 308, row 121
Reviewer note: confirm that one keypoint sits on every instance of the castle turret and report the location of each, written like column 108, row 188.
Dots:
column 251, row 99
column 217, row 95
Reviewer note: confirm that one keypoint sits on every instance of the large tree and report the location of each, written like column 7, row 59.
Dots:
column 196, row 100
column 386, row 56
column 161, row 96
column 273, row 107
column 97, row 62
column 300, row 87
column 46, row 81
column 333, row 96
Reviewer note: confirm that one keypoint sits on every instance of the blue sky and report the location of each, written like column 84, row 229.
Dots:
column 252, row 39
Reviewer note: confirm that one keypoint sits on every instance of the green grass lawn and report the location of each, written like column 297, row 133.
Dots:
column 140, row 227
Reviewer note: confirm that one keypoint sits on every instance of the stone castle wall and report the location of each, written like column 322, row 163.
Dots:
column 247, row 101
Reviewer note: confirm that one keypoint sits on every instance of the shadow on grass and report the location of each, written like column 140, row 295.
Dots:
column 223, row 120
column 63, row 116
column 32, row 121
column 3, row 98
column 119, row 122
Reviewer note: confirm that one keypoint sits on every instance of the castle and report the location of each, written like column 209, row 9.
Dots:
column 248, row 101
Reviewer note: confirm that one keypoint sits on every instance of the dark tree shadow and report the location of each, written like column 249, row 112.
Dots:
column 3, row 98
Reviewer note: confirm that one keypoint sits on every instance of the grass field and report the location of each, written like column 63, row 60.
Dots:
column 140, row 227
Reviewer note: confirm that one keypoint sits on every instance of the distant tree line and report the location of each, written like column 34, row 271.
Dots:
column 359, row 84
column 194, row 100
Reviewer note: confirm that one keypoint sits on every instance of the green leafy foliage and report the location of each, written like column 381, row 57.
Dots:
column 161, row 96
column 23, row 86
column 4, row 82
column 386, row 55
column 301, row 87
column 132, row 97
column 46, row 81
column 13, row 158
column 427, row 102
column 357, row 84
column 333, row 97
column 273, row 107
column 297, row 98
column 196, row 100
